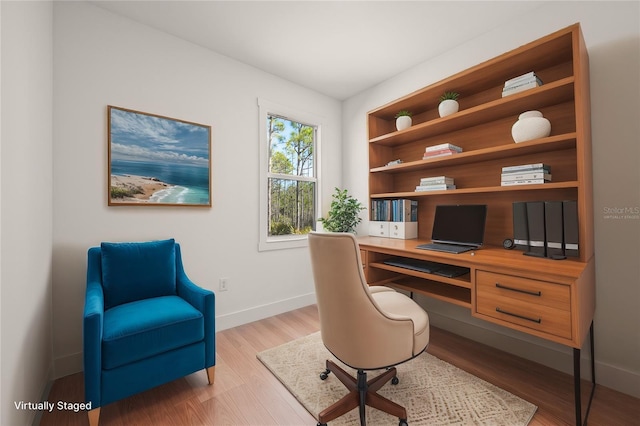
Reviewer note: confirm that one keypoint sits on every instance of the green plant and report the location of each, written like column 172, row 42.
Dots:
column 343, row 216
column 120, row 192
column 449, row 95
column 281, row 228
column 404, row 113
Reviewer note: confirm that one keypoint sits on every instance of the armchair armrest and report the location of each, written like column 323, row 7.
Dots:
column 204, row 301
column 92, row 330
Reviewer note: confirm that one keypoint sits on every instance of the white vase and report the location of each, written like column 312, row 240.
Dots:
column 403, row 122
column 530, row 125
column 448, row 107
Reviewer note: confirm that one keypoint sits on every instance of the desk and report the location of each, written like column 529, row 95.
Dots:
column 550, row 299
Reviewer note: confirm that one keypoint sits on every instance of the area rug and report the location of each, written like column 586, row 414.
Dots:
column 434, row 392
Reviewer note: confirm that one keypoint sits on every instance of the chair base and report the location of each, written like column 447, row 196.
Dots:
column 361, row 393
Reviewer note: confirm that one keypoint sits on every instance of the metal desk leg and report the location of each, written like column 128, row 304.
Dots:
column 576, row 381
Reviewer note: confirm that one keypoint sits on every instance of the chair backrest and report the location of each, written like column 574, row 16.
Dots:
column 352, row 325
column 136, row 271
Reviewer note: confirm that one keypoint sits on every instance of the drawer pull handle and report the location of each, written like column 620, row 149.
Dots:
column 531, row 293
column 538, row 320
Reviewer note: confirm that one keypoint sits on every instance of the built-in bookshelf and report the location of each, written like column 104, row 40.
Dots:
column 482, row 128
column 546, row 297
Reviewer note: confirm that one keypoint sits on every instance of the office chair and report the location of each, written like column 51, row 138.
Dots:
column 366, row 328
column 145, row 323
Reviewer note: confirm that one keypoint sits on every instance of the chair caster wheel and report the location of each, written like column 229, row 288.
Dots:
column 323, row 376
column 395, row 380
column 403, row 422
column 322, row 424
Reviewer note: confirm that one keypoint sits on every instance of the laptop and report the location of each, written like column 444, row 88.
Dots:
column 457, row 228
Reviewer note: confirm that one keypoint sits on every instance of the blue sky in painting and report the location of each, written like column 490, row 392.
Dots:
column 145, row 138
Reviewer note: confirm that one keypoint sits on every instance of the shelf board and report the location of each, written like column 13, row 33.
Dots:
column 551, row 143
column 487, row 189
column 548, row 94
column 463, row 281
column 451, row 294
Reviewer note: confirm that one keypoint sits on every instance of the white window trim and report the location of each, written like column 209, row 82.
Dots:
column 266, row 107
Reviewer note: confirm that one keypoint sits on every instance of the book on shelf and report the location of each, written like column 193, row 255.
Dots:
column 540, row 174
column 516, row 80
column 521, row 83
column 439, row 153
column 523, row 182
column 434, row 180
column 435, row 187
column 525, row 174
column 527, row 168
column 397, row 210
column 443, row 146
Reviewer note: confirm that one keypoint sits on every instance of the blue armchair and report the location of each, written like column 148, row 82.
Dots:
column 145, row 323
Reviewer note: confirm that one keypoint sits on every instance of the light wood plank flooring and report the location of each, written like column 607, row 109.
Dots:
column 245, row 393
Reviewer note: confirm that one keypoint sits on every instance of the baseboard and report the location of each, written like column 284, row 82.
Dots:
column 552, row 355
column 256, row 313
column 66, row 365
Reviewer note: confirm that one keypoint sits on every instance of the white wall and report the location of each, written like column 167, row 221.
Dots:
column 611, row 31
column 26, row 209
column 102, row 59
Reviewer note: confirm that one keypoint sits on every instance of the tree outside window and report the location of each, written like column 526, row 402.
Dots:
column 291, row 176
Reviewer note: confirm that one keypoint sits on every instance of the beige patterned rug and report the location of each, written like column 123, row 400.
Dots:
column 433, row 391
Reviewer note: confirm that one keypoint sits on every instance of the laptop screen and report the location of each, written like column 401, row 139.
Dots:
column 459, row 224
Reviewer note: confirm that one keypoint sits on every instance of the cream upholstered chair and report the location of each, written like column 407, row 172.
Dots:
column 366, row 328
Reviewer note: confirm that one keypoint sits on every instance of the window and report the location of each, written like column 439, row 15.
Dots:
column 289, row 176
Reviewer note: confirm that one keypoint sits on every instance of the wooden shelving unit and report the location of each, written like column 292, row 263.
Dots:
column 550, row 299
column 482, row 128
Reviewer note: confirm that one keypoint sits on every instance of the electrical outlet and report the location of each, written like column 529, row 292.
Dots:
column 224, row 284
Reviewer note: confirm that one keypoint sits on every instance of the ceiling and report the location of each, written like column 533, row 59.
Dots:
column 337, row 48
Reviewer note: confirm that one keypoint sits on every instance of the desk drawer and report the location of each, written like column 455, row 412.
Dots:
column 534, row 304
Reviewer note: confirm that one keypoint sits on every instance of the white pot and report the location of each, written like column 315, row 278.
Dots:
column 448, row 107
column 530, row 125
column 403, row 122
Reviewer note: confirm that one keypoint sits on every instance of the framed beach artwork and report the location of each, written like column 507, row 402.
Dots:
column 157, row 161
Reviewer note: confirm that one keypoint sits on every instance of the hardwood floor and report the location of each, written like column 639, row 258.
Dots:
column 245, row 393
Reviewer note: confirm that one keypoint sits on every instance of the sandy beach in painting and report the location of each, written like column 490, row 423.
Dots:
column 139, row 188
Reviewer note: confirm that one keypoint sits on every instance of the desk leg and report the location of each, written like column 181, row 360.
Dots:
column 576, row 380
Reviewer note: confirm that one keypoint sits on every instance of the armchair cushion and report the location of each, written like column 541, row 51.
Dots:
column 134, row 331
column 135, row 271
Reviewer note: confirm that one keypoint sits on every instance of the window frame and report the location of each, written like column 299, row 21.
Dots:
column 265, row 108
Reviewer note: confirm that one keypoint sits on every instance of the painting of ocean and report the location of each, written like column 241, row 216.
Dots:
column 188, row 184
column 157, row 160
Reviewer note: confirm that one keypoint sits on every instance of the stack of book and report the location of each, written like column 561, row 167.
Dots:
column 525, row 174
column 398, row 210
column 436, row 183
column 441, row 150
column 521, row 83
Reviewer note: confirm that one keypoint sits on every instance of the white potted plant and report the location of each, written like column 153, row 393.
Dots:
column 403, row 120
column 448, row 104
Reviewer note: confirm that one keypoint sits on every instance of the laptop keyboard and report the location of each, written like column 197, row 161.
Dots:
column 428, row 267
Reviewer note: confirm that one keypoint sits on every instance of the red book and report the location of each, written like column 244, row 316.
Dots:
column 438, row 153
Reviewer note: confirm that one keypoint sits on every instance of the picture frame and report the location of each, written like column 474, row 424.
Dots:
column 155, row 160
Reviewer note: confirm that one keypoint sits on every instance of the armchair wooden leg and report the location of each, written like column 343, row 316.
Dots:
column 211, row 374
column 94, row 416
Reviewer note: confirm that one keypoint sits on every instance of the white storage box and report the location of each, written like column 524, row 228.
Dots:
column 379, row 229
column 403, row 230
